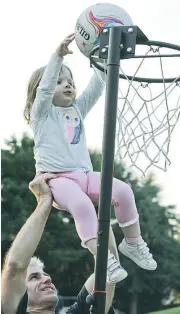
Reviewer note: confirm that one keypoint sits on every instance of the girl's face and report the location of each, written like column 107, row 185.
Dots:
column 65, row 92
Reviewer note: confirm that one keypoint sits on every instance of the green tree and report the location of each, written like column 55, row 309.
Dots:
column 143, row 291
column 67, row 262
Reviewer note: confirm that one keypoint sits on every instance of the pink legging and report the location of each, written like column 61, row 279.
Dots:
column 76, row 192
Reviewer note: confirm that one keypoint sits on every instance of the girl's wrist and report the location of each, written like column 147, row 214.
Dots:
column 59, row 53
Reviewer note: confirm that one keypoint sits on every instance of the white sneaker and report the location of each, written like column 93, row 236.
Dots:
column 139, row 253
column 115, row 272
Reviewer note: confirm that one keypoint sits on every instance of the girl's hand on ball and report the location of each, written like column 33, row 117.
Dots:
column 63, row 48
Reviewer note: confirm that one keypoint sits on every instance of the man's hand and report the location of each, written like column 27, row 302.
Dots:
column 39, row 186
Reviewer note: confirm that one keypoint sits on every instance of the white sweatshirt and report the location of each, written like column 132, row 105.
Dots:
column 59, row 135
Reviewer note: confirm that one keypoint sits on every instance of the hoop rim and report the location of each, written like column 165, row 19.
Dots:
column 149, row 43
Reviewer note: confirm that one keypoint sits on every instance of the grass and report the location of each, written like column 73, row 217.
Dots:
column 175, row 310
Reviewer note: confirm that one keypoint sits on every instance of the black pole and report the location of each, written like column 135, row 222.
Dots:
column 107, row 169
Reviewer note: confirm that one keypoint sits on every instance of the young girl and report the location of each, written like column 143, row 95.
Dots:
column 56, row 117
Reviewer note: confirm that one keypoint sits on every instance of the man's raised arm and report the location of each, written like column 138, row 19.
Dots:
column 13, row 282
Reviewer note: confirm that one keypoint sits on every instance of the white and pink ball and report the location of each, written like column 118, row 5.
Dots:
column 90, row 22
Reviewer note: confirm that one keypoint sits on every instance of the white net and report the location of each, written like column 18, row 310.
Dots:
column 147, row 112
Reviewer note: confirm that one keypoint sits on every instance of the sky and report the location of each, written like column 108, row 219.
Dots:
column 32, row 29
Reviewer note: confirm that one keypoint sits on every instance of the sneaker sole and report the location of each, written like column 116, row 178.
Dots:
column 127, row 254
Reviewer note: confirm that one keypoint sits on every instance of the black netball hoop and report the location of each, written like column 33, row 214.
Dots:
column 116, row 43
column 132, row 36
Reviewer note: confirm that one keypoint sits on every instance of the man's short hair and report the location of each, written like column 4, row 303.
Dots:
column 35, row 261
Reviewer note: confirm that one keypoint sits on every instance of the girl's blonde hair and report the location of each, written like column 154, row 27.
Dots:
column 32, row 87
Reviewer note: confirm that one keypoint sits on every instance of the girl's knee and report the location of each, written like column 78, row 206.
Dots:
column 122, row 192
column 127, row 191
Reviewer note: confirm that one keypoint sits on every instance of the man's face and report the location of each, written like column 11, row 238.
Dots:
column 42, row 294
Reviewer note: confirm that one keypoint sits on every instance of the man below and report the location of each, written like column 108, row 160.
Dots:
column 22, row 272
